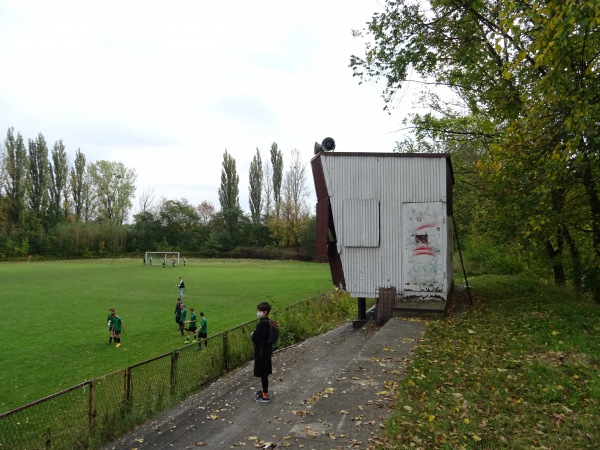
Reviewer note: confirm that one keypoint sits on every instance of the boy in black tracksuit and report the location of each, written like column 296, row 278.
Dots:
column 178, row 314
column 262, row 351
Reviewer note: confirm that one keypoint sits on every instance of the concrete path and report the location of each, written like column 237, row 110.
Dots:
column 333, row 391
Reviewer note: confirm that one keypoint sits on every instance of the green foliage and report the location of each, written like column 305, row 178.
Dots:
column 115, row 188
column 59, row 172
column 38, row 177
column 591, row 279
column 212, row 246
column 308, row 238
column 313, row 317
column 482, row 255
column 65, row 211
column 15, row 179
column 229, row 189
column 277, row 166
column 526, row 81
column 255, row 188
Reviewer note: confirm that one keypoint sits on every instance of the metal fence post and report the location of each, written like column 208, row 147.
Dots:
column 92, row 406
column 174, row 359
column 126, row 404
column 225, row 352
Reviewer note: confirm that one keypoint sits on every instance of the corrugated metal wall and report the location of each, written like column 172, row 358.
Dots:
column 390, row 180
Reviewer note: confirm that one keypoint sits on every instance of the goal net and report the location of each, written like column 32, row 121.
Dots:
column 160, row 259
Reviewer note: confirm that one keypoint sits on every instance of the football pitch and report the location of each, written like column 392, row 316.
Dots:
column 54, row 333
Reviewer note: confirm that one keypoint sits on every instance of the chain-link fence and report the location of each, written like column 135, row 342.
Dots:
column 91, row 413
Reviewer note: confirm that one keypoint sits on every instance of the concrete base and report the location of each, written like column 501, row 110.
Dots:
column 359, row 323
column 319, row 389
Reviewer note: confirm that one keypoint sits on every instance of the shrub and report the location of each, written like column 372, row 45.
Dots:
column 485, row 257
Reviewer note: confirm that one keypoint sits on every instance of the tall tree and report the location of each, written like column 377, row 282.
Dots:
column 229, row 190
column 277, row 166
column 15, row 172
column 77, row 184
column 114, row 185
column 533, row 70
column 38, row 177
column 179, row 221
column 58, row 172
column 267, row 191
column 206, row 211
column 294, row 210
column 146, row 200
column 256, row 188
column 89, row 195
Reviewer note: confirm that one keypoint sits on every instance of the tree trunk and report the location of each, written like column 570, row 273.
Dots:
column 555, row 256
column 594, row 202
column 575, row 259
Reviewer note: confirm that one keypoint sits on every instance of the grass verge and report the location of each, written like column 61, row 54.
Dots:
column 519, row 369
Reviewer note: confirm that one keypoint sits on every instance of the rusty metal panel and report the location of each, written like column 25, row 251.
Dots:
column 323, row 217
column 319, row 178
column 322, row 225
column 336, row 268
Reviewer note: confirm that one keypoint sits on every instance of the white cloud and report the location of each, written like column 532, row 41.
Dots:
column 166, row 86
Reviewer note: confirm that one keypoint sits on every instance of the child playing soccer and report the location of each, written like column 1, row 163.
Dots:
column 118, row 327
column 111, row 334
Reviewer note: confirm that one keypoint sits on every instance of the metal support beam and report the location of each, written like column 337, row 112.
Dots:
column 362, row 313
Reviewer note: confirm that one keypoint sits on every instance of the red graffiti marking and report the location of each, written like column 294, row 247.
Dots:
column 422, row 241
column 424, row 250
column 427, row 225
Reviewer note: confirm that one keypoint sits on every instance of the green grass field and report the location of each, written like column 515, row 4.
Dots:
column 54, row 333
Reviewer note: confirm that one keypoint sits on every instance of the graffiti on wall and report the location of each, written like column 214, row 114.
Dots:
column 422, row 245
column 423, row 262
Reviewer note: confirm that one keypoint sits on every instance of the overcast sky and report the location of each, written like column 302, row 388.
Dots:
column 166, row 86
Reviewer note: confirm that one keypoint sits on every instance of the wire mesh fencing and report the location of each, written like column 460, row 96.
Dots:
column 92, row 413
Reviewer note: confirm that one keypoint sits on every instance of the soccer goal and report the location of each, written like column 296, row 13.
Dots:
column 161, row 259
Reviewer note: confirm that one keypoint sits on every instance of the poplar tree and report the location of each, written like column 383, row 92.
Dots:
column 229, row 189
column 77, row 185
column 15, row 178
column 256, row 188
column 38, row 177
column 267, row 191
column 58, row 172
column 277, row 167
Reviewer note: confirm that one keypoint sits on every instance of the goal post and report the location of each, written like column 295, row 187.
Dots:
column 160, row 259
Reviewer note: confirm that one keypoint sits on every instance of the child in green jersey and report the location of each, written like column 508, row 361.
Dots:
column 182, row 318
column 203, row 331
column 192, row 325
column 118, row 327
column 111, row 334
